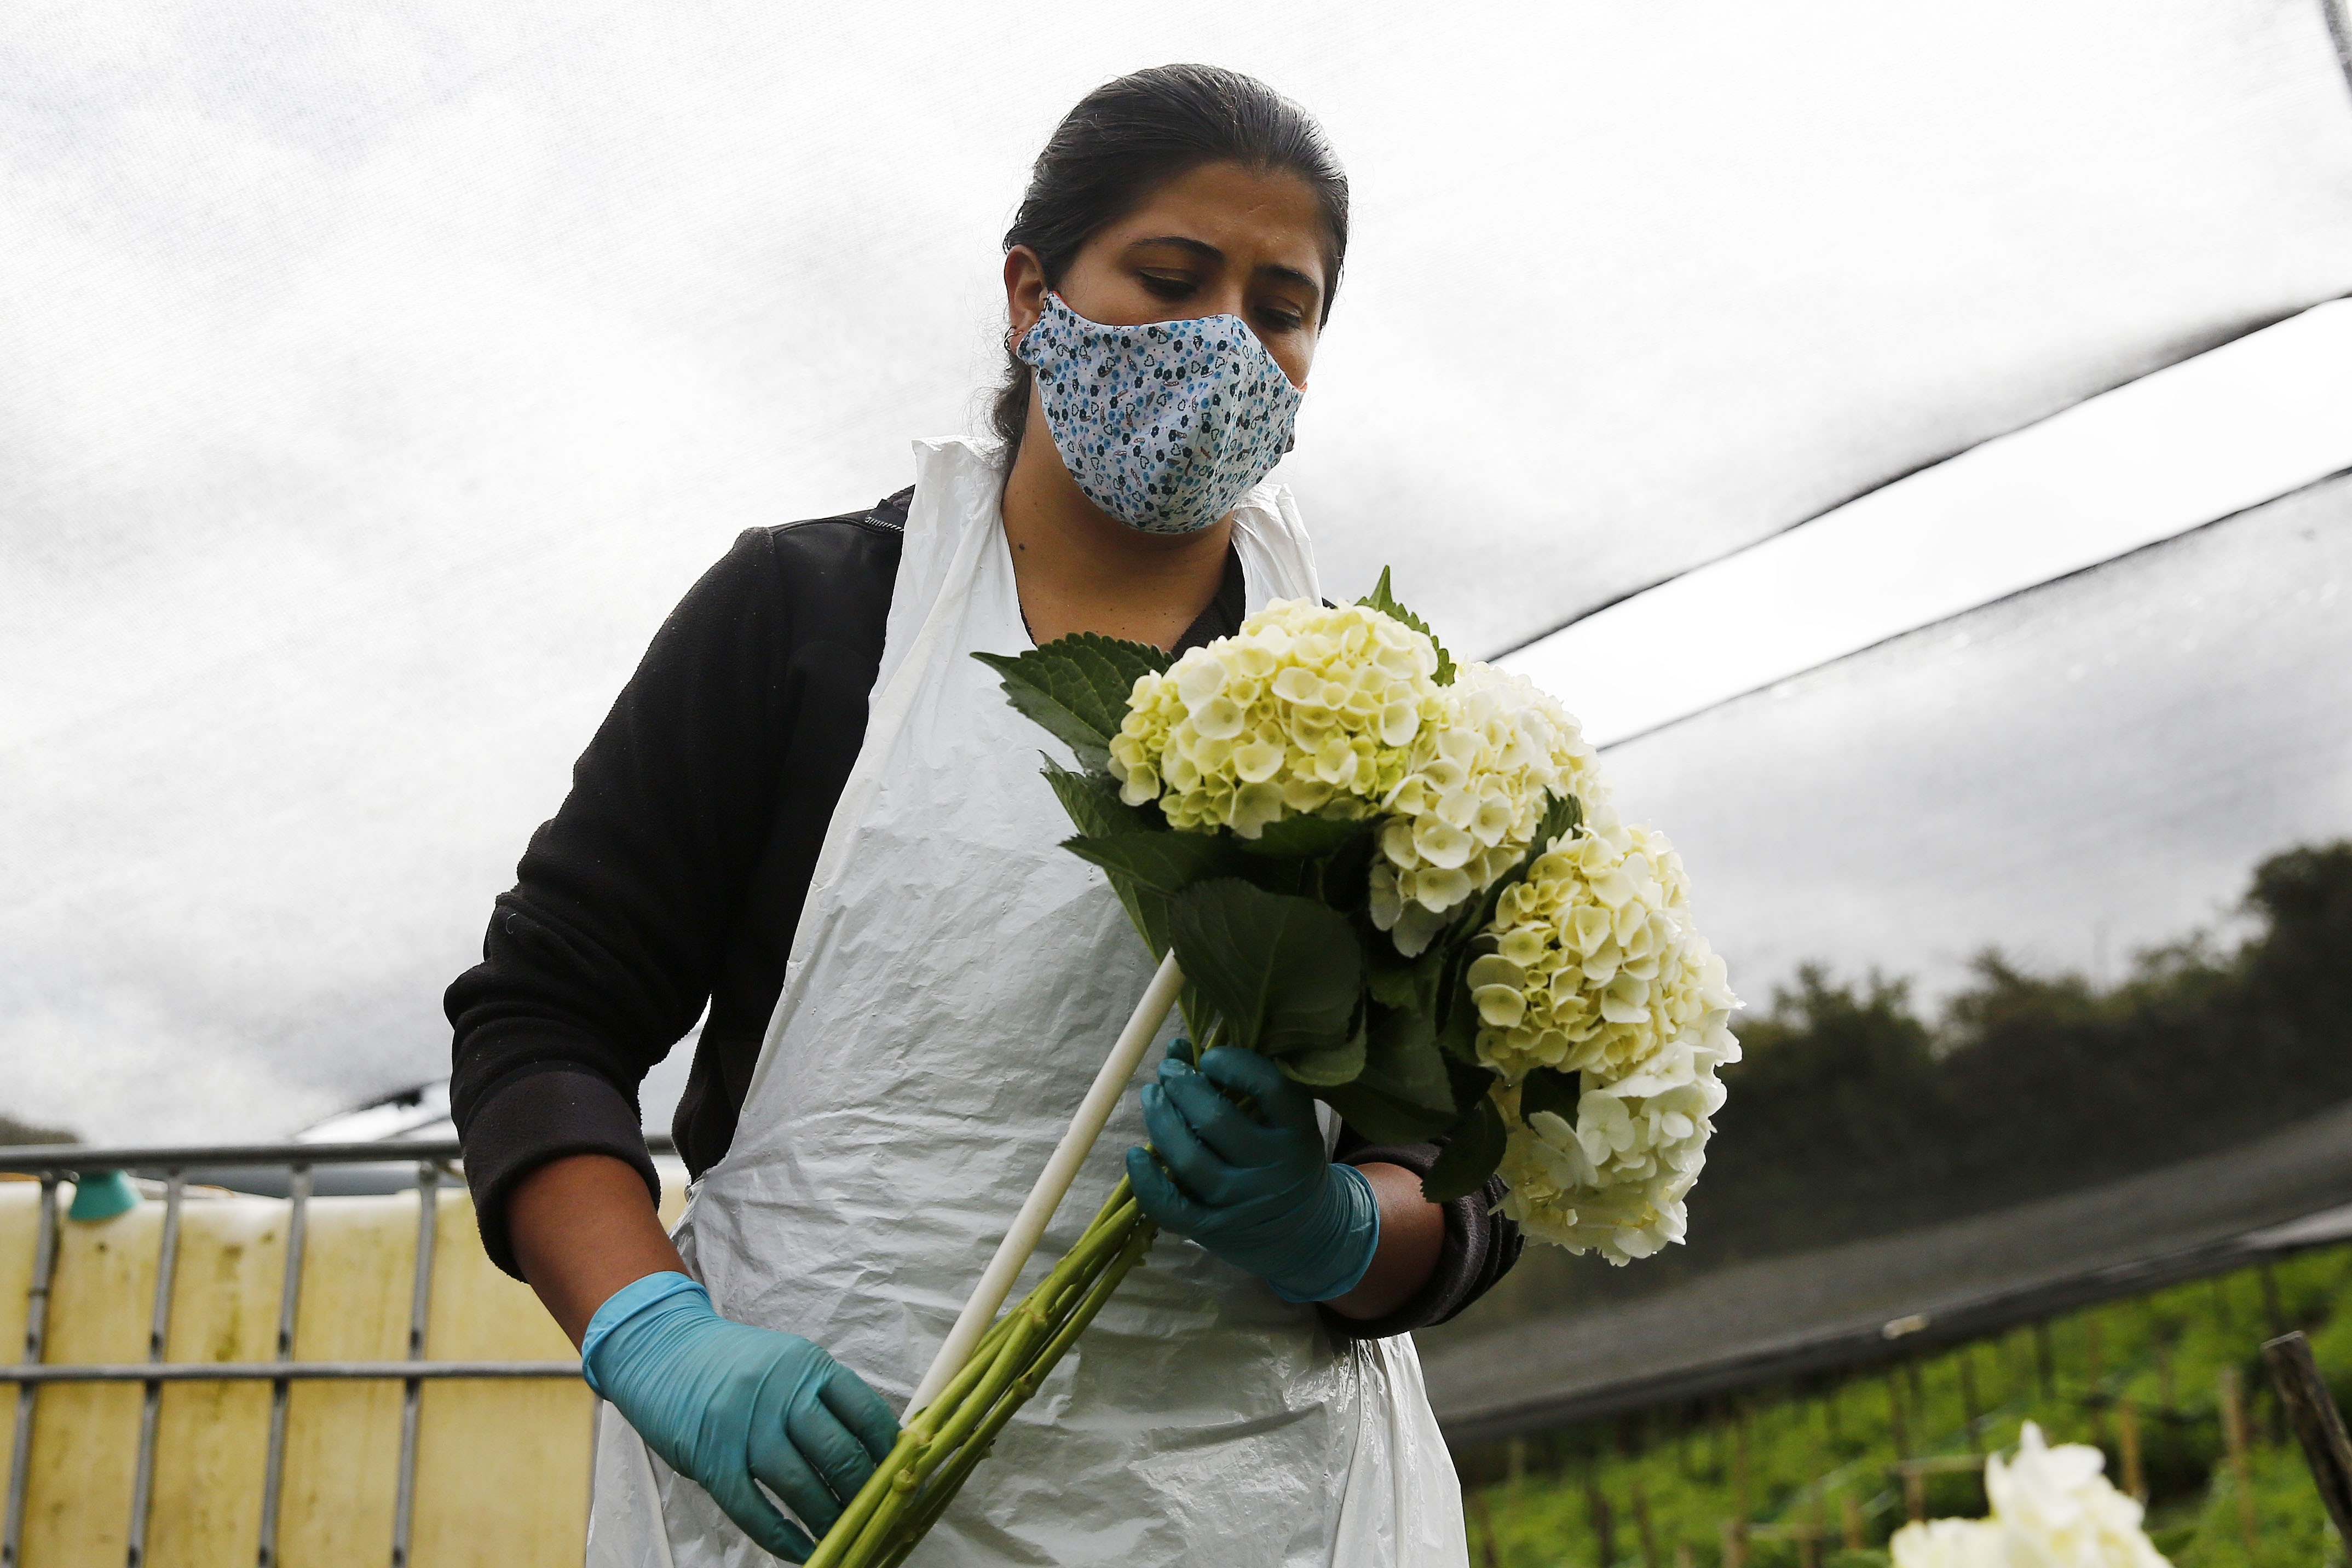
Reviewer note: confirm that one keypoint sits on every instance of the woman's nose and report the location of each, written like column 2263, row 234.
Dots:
column 1224, row 300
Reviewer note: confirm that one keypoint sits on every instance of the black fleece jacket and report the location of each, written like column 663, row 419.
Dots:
column 673, row 876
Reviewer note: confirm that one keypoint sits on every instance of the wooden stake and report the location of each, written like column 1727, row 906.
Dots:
column 1969, row 1408
column 2128, row 1439
column 2095, row 1373
column 2318, row 1423
column 2272, row 1306
column 2233, row 1433
column 1487, row 1552
column 1641, row 1522
column 1739, row 1469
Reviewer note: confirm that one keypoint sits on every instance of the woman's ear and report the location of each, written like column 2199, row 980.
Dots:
column 1024, row 291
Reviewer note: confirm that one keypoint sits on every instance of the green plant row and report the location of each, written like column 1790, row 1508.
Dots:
column 2145, row 1373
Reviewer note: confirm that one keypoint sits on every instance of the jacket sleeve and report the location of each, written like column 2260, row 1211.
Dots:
column 603, row 953
column 1480, row 1246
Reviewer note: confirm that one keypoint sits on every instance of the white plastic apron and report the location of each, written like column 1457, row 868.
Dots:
column 954, row 983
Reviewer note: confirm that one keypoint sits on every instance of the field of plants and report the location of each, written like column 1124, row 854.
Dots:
column 1818, row 1475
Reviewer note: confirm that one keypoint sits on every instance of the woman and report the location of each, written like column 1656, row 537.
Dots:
column 808, row 764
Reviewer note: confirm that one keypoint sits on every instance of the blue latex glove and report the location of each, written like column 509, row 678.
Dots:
column 727, row 1403
column 1259, row 1192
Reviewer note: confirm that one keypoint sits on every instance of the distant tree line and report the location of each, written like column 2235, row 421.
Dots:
column 1853, row 1116
column 14, row 1131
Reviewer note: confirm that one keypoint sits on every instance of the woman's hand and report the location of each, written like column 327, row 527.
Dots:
column 730, row 1406
column 1259, row 1192
column 725, row 1404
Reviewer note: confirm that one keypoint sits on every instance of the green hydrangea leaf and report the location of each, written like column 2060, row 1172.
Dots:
column 1078, row 687
column 1471, row 1154
column 1380, row 599
column 1547, row 1089
column 1094, row 806
column 1303, row 837
column 1282, row 974
column 1404, row 1060
column 1164, row 862
column 1471, row 1081
column 1382, row 1118
column 1329, row 1067
column 1396, row 981
column 1457, row 1019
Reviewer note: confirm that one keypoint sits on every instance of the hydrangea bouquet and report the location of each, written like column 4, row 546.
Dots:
column 1401, row 879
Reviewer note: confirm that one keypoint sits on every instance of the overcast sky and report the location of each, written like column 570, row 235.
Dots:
column 372, row 378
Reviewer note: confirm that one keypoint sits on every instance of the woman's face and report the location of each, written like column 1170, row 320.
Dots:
column 1219, row 240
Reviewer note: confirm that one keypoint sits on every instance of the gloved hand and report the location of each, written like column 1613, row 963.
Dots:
column 725, row 1404
column 1259, row 1192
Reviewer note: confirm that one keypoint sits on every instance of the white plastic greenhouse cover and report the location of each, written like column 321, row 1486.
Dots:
column 372, row 381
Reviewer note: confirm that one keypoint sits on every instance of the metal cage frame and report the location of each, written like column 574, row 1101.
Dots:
column 435, row 1161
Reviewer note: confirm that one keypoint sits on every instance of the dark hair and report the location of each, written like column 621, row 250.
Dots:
column 1127, row 137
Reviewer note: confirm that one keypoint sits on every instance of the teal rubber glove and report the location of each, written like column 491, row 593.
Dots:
column 1260, row 1191
column 729, row 1404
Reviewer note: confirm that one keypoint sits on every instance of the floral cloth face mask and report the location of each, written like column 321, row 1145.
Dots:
column 1163, row 425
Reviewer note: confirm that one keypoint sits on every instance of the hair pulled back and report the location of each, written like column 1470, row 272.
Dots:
column 1129, row 136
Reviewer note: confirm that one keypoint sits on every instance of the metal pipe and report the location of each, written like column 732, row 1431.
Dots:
column 63, row 1159
column 274, row 1372
column 37, row 1329
column 420, row 1310
column 159, row 1331
column 290, row 1300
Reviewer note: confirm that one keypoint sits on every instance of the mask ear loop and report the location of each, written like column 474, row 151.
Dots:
column 1013, row 340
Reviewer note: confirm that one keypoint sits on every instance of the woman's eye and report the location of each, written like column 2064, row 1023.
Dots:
column 1166, row 287
column 1283, row 320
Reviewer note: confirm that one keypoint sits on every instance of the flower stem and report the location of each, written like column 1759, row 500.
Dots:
column 943, row 1442
column 949, row 1479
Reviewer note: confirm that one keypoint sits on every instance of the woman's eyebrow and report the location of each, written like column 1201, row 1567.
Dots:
column 1292, row 274
column 1200, row 247
column 1207, row 252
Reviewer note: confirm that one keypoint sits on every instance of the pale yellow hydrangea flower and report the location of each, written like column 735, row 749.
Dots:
column 1615, row 1181
column 1950, row 1543
column 2052, row 1508
column 1598, row 971
column 1307, row 710
column 1469, row 805
column 1597, row 966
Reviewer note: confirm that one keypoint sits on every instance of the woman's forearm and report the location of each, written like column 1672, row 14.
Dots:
column 1413, row 1234
column 584, row 1226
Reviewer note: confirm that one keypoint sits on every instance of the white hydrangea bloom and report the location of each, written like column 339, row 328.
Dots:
column 1597, row 967
column 1950, row 1543
column 1598, row 971
column 2058, row 1509
column 1614, row 1181
column 1472, row 797
column 2052, row 1508
column 1307, row 709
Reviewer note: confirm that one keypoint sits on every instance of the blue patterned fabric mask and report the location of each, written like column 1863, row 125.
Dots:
column 1163, row 425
